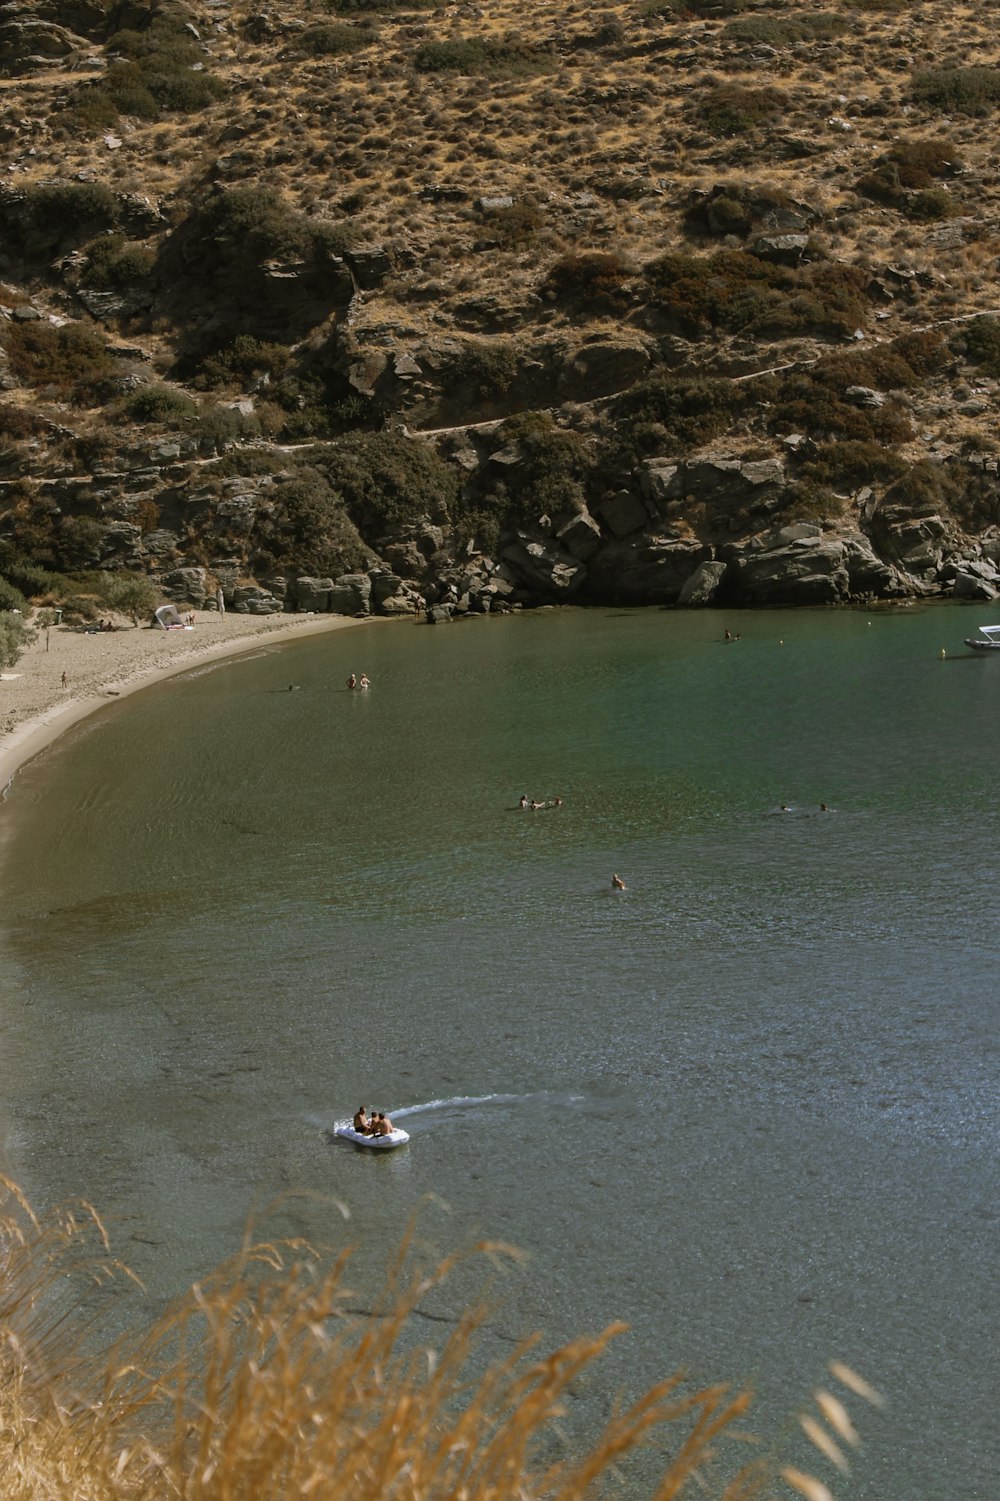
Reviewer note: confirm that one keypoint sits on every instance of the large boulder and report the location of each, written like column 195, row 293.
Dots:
column 646, row 570
column 351, row 595
column 312, row 594
column 702, row 585
column 543, row 568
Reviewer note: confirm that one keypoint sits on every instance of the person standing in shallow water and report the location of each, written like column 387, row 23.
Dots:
column 352, row 681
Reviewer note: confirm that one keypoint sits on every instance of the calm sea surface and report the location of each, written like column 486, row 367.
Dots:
column 748, row 1105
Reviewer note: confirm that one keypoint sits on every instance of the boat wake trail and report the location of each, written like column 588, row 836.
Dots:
column 459, row 1105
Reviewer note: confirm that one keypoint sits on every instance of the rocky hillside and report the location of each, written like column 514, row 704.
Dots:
column 365, row 305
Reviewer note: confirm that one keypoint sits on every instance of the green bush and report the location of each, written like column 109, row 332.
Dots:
column 484, row 370
column 979, row 341
column 931, row 204
column 14, row 634
column 131, row 593
column 966, row 91
column 308, row 530
column 813, row 402
column 549, row 478
column 333, row 41
column 68, row 359
column 113, row 261
column 256, row 221
column 365, row 7
column 59, row 216
column 243, row 361
column 481, row 57
column 11, row 597
column 782, row 31
column 158, row 404
column 151, row 72
column 387, row 480
column 674, row 414
column 738, row 209
column 729, row 110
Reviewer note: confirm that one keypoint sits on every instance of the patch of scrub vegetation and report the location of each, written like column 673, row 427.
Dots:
column 483, row 57
column 154, row 72
column 967, row 91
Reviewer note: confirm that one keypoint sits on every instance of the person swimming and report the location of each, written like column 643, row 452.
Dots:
column 617, row 884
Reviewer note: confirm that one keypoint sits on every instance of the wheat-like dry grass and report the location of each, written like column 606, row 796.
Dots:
column 260, row 1385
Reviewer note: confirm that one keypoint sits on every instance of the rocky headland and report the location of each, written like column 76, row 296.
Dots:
column 397, row 309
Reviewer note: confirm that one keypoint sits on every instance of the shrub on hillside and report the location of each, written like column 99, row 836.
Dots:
column 729, row 110
column 672, row 415
column 365, row 7
column 69, row 360
column 307, row 530
column 114, row 261
column 244, row 360
column 735, row 291
column 979, row 341
column 735, row 208
column 485, row 370
column 333, row 41
column 905, row 179
column 512, row 227
column 151, row 72
column 782, row 31
column 551, row 474
column 58, row 216
column 966, row 91
column 591, row 279
column 483, row 57
column 156, row 403
column 813, row 402
column 257, row 221
column 387, row 480
column 853, row 463
column 19, row 422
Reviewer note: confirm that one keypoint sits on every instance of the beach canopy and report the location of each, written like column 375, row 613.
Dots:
column 167, row 618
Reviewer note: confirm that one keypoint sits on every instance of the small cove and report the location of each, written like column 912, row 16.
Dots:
column 748, row 1105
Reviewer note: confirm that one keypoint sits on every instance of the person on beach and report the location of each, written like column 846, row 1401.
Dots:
column 352, row 682
column 617, row 884
column 64, row 680
column 361, row 1121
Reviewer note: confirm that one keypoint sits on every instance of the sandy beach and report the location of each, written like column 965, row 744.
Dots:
column 37, row 706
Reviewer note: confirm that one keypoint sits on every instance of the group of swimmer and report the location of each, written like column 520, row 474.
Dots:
column 525, row 802
column 378, row 1124
column 358, row 682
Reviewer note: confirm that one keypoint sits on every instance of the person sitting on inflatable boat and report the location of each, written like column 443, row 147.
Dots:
column 363, row 1124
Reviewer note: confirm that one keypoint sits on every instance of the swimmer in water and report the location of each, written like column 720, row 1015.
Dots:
column 617, row 884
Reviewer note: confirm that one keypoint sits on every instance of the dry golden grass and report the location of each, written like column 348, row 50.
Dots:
column 259, row 1383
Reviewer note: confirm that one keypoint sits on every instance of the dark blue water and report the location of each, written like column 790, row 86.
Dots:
column 748, row 1104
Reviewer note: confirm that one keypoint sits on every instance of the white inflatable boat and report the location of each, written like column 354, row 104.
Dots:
column 396, row 1137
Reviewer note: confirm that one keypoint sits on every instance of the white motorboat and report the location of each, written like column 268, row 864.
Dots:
column 396, row 1138
column 987, row 640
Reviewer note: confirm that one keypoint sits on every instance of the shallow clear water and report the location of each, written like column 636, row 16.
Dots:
column 748, row 1105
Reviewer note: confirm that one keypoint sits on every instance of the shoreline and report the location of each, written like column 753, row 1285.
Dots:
column 36, row 709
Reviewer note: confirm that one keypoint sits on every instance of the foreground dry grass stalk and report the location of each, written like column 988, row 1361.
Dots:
column 260, row 1384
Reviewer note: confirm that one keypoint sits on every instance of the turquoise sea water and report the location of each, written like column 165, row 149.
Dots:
column 748, row 1105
